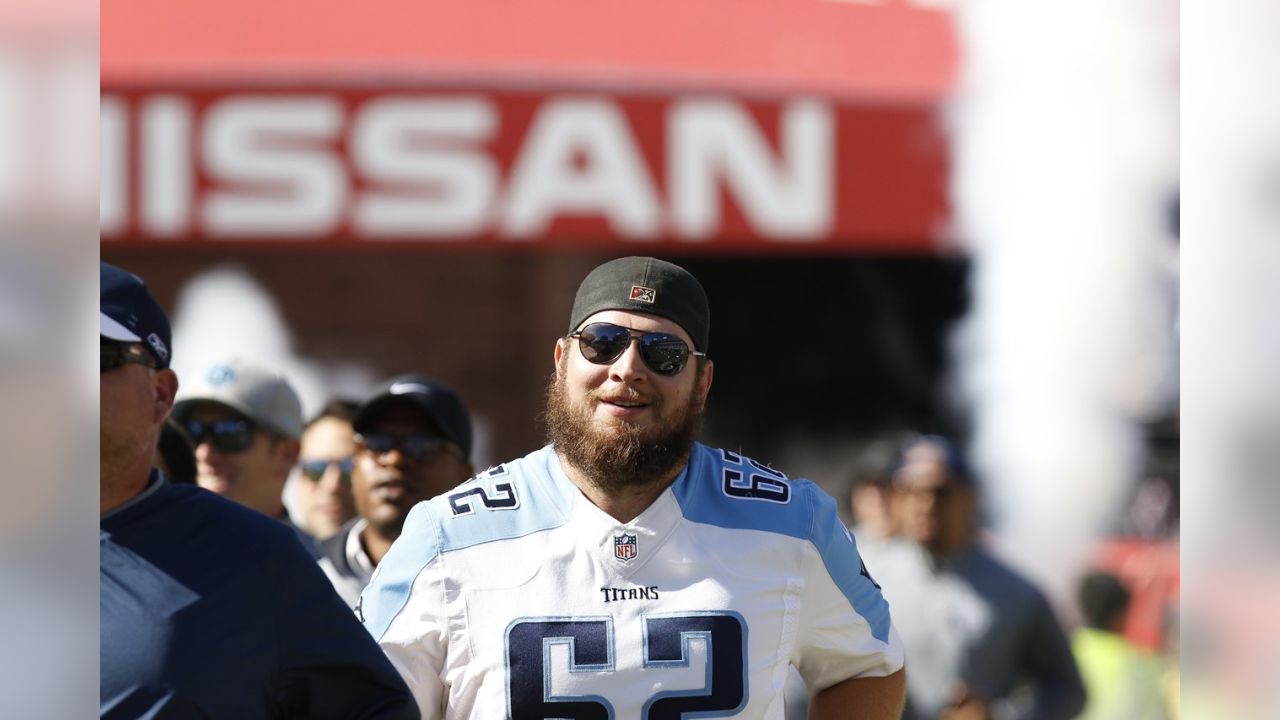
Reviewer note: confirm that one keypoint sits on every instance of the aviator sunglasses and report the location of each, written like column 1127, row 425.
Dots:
column 117, row 354
column 230, row 436
column 313, row 470
column 602, row 343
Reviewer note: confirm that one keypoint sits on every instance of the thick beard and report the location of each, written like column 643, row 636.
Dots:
column 620, row 456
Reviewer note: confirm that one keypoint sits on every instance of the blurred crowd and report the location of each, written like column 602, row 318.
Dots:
column 982, row 639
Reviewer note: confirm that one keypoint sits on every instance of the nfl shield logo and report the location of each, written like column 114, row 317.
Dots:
column 624, row 547
column 639, row 293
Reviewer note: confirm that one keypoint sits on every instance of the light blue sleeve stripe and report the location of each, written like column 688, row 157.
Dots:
column 839, row 552
column 386, row 595
column 542, row 499
column 699, row 490
column 809, row 514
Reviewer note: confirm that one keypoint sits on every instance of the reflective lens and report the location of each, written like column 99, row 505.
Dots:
column 230, row 436
column 313, row 470
column 663, row 353
column 115, row 354
column 414, row 446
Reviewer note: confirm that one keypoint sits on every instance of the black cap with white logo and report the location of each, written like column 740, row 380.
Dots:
column 441, row 404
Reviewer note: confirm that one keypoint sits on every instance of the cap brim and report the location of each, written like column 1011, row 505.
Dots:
column 182, row 405
column 113, row 330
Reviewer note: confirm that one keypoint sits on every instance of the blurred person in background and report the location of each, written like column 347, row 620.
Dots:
column 413, row 442
column 206, row 609
column 1171, row 681
column 616, row 571
column 175, row 455
column 1123, row 682
column 870, row 499
column 322, row 487
column 983, row 642
column 245, row 421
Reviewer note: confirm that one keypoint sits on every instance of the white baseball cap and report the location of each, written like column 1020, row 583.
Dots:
column 263, row 396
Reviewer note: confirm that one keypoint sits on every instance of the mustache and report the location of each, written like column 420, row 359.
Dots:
column 624, row 394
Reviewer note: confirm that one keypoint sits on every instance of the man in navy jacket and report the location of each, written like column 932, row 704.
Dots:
column 207, row 609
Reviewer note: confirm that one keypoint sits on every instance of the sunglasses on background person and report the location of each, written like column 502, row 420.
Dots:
column 313, row 470
column 230, row 436
column 115, row 354
column 602, row 343
column 413, row 446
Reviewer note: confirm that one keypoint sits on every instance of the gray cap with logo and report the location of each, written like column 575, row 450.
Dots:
column 262, row 395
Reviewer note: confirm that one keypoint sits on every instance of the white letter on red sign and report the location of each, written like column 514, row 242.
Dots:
column 614, row 181
column 278, row 186
column 437, row 180
column 165, row 166
column 711, row 142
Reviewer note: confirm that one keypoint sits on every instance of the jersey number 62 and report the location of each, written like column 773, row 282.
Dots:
column 530, row 687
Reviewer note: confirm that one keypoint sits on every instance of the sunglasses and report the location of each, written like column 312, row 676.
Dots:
column 118, row 354
column 413, row 446
column 230, row 436
column 313, row 470
column 664, row 353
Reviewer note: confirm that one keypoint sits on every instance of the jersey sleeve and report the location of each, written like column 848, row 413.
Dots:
column 403, row 608
column 845, row 629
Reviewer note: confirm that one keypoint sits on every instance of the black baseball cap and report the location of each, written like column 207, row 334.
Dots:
column 647, row 285
column 130, row 314
column 433, row 397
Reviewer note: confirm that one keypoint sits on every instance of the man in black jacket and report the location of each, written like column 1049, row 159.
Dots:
column 207, row 609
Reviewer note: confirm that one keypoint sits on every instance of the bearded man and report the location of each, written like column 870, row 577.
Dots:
column 626, row 570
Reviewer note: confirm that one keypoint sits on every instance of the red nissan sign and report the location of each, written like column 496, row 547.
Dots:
column 445, row 166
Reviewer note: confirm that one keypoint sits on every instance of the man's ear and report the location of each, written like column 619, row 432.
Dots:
column 164, row 386
column 558, row 353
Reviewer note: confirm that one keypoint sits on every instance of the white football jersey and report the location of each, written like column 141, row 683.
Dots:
column 514, row 596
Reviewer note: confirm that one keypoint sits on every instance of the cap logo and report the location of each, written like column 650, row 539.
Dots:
column 158, row 345
column 406, row 388
column 643, row 294
column 220, row 375
column 624, row 547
